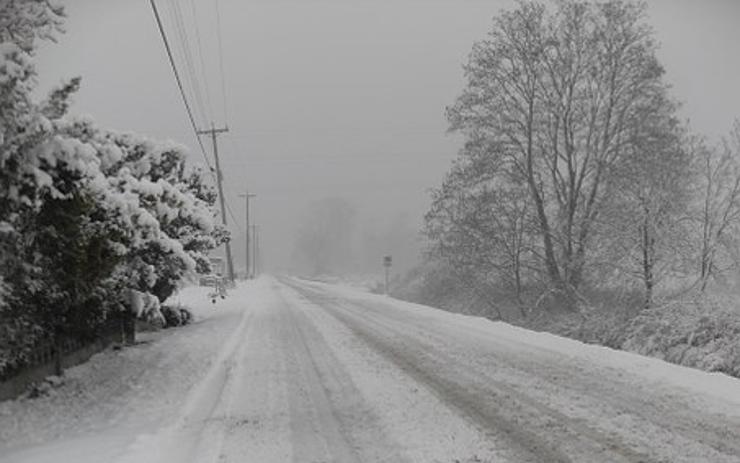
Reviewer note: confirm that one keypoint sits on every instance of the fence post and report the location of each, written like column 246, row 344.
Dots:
column 129, row 328
column 58, row 352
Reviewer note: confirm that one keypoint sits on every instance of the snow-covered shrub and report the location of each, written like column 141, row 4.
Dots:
column 45, row 387
column 702, row 333
column 176, row 315
column 174, row 203
column 18, row 336
column 146, row 307
column 86, row 214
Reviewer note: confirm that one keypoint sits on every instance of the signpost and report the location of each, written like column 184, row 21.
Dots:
column 387, row 262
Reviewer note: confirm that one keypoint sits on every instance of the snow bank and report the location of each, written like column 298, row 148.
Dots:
column 186, row 437
column 118, row 398
column 704, row 334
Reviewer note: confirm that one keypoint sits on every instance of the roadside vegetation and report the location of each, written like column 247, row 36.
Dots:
column 95, row 225
column 581, row 203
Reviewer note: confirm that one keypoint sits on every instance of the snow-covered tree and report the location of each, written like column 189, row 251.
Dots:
column 171, row 223
column 555, row 91
column 480, row 223
column 23, row 124
column 89, row 217
column 643, row 231
column 182, row 204
column 716, row 212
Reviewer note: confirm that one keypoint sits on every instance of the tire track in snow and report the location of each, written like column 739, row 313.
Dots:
column 535, row 431
column 655, row 423
column 186, row 439
column 330, row 420
column 254, row 417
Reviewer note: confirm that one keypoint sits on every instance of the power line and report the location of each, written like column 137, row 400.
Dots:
column 221, row 61
column 223, row 87
column 188, row 57
column 231, row 214
column 188, row 108
column 179, row 85
column 179, row 53
column 200, row 58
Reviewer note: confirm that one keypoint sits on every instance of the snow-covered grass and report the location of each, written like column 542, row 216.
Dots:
column 101, row 406
column 700, row 330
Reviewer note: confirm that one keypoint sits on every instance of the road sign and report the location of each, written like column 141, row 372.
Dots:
column 387, row 261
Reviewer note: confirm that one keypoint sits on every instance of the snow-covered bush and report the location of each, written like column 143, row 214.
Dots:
column 18, row 337
column 146, row 307
column 702, row 333
column 88, row 215
column 180, row 203
column 176, row 315
column 23, row 124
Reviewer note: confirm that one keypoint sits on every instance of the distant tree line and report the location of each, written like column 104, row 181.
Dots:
column 577, row 172
column 323, row 244
column 91, row 220
column 332, row 239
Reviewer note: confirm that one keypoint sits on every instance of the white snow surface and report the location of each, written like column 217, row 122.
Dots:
column 106, row 404
column 717, row 388
column 286, row 370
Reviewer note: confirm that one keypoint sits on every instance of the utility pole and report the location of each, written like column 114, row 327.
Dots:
column 257, row 256
column 247, row 196
column 219, row 181
column 255, row 245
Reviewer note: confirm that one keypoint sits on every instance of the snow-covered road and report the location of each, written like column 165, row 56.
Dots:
column 310, row 372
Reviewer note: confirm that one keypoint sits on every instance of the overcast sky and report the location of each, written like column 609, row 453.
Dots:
column 337, row 97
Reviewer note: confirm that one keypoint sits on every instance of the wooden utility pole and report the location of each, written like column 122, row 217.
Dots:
column 257, row 257
column 219, row 181
column 247, row 197
column 254, row 249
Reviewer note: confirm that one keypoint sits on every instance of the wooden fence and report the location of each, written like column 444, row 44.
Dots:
column 51, row 357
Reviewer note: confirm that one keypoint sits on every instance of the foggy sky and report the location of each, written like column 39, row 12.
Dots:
column 339, row 97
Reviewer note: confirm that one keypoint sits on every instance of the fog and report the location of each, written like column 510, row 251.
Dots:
column 337, row 99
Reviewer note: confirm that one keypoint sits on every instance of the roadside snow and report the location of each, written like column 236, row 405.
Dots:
column 104, row 404
column 720, row 391
column 280, row 373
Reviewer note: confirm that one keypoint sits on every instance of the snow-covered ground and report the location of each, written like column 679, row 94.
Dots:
column 105, row 404
column 287, row 370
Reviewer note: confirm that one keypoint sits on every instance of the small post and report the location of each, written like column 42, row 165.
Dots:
column 387, row 262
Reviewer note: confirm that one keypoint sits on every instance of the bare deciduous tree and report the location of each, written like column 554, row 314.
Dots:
column 718, row 207
column 554, row 96
column 481, row 223
column 646, row 229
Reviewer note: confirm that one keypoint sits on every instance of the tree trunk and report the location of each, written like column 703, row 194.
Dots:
column 648, row 262
column 518, row 284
